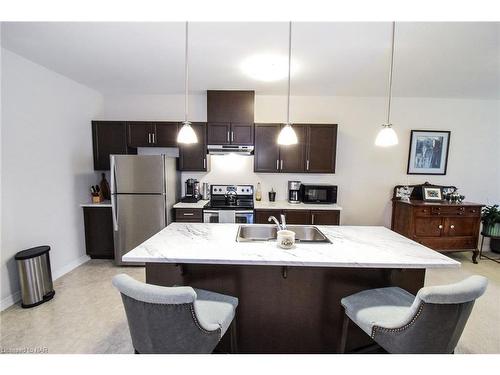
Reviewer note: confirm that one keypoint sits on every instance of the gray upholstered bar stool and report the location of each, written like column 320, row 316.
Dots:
column 431, row 322
column 175, row 319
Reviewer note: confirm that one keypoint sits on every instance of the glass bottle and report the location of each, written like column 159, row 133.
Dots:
column 258, row 193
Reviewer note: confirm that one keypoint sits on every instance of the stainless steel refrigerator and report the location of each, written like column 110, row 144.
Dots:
column 143, row 190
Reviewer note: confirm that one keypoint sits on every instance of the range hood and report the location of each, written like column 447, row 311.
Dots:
column 229, row 149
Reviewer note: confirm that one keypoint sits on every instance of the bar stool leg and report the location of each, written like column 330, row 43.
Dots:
column 343, row 337
column 233, row 337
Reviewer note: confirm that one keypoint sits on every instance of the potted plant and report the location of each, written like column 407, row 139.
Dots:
column 490, row 217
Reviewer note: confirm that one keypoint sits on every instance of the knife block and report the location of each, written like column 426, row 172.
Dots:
column 96, row 198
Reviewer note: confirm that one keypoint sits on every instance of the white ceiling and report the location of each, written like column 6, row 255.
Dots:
column 348, row 59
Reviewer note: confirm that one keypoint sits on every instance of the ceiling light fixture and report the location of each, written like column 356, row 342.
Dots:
column 287, row 135
column 265, row 67
column 387, row 136
column 186, row 133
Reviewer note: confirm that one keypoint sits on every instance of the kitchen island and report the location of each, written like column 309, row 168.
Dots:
column 289, row 299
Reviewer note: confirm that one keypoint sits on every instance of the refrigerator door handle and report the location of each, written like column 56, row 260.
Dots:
column 114, row 212
column 114, row 209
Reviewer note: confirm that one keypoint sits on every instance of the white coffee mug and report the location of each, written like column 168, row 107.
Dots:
column 286, row 239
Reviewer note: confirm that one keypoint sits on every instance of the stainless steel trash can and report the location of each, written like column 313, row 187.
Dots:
column 35, row 276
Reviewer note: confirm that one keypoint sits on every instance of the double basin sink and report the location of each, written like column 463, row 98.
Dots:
column 264, row 232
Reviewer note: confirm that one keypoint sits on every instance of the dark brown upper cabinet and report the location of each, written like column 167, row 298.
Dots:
column 166, row 134
column 293, row 157
column 267, row 152
column 321, row 148
column 315, row 151
column 219, row 133
column 193, row 157
column 152, row 134
column 140, row 134
column 242, row 133
column 108, row 138
column 230, row 117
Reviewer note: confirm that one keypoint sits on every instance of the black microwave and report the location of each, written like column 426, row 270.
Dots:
column 320, row 194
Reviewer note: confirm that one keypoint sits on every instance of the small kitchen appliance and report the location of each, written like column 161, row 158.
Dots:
column 205, row 191
column 229, row 204
column 320, row 194
column 192, row 193
column 294, row 192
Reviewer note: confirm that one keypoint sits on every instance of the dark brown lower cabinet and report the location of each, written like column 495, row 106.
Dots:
column 98, row 223
column 304, row 217
column 297, row 216
column 189, row 215
column 325, row 217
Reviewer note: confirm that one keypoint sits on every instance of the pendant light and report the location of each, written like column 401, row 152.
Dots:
column 186, row 133
column 387, row 136
column 287, row 135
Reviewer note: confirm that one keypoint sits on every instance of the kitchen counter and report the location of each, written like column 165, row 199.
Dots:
column 352, row 246
column 291, row 295
column 104, row 203
column 200, row 204
column 284, row 205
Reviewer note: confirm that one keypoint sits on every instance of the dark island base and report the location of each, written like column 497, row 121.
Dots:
column 287, row 309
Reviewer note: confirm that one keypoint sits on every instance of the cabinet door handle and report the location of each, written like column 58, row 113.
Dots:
column 452, row 226
column 228, row 135
column 188, row 214
column 307, row 165
column 149, row 137
column 204, row 162
column 232, row 136
column 281, row 165
column 277, row 165
column 440, row 226
column 312, row 219
column 153, row 136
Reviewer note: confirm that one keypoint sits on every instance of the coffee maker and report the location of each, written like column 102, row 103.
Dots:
column 192, row 191
column 294, row 192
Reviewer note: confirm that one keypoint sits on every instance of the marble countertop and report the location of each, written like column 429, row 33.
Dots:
column 284, row 205
column 352, row 246
column 104, row 203
column 198, row 204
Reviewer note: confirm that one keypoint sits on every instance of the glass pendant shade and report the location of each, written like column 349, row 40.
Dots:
column 187, row 134
column 287, row 136
column 386, row 137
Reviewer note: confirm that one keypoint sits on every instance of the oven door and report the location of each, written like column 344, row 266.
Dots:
column 210, row 216
column 244, row 217
column 228, row 216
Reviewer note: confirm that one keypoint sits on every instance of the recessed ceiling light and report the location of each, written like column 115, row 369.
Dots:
column 266, row 67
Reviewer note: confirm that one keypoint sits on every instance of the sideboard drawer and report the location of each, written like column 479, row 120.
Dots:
column 456, row 211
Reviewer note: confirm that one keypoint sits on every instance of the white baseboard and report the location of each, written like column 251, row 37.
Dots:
column 10, row 300
column 16, row 297
column 69, row 267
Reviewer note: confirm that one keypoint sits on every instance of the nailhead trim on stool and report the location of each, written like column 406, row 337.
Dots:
column 378, row 328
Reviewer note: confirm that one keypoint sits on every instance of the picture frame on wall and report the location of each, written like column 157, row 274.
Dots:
column 428, row 152
column 432, row 194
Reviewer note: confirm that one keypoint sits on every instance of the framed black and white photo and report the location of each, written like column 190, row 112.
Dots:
column 428, row 152
column 432, row 193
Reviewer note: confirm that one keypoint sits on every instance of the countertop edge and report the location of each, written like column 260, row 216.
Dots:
column 288, row 264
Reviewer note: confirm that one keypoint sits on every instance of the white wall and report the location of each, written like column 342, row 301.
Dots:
column 365, row 174
column 46, row 165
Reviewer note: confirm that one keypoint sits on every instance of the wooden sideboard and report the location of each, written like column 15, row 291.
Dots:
column 442, row 226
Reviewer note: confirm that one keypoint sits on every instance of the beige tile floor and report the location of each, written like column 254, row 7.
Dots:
column 86, row 315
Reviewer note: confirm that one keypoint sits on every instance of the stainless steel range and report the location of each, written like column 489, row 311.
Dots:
column 229, row 204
